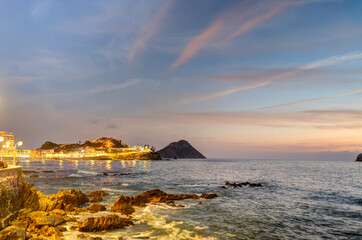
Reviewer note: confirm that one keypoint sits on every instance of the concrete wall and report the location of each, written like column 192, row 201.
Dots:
column 10, row 177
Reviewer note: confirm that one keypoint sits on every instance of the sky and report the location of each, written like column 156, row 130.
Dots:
column 236, row 78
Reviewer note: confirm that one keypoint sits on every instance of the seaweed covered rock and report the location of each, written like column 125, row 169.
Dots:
column 104, row 223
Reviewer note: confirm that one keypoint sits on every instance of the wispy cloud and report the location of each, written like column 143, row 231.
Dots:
column 225, row 92
column 149, row 30
column 230, row 17
column 113, row 87
column 264, row 81
column 245, row 27
column 351, row 92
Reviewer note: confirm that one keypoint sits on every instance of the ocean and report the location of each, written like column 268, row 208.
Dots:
column 298, row 200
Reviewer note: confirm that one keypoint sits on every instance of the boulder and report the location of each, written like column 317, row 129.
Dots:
column 104, row 223
column 359, row 158
column 96, row 207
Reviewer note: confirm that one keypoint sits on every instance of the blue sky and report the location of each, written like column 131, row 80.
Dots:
column 235, row 78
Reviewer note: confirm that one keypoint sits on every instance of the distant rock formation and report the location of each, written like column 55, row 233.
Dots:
column 100, row 143
column 359, row 158
column 180, row 149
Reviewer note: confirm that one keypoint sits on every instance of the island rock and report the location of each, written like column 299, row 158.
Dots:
column 180, row 149
column 359, row 158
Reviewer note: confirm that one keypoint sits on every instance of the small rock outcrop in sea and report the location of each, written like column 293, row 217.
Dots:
column 359, row 158
column 241, row 184
column 126, row 204
column 180, row 149
column 104, row 223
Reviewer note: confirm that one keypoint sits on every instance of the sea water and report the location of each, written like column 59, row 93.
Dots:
column 298, row 200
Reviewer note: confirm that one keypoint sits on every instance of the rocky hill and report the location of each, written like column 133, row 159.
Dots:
column 180, row 149
column 359, row 158
column 101, row 143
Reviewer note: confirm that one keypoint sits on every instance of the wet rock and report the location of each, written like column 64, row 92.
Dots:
column 199, row 203
column 47, row 171
column 104, row 223
column 105, row 174
column 81, row 236
column 34, row 176
column 208, row 195
column 222, row 187
column 180, row 206
column 12, row 233
column 96, row 207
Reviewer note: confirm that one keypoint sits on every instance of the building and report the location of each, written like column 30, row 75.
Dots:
column 8, row 137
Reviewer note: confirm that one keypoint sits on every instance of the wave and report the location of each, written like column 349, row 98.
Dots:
column 75, row 175
column 89, row 173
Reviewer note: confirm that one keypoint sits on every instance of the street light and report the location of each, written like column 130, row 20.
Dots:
column 20, row 143
column 1, row 141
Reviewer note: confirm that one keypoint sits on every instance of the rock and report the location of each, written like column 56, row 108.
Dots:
column 51, row 231
column 59, row 212
column 5, row 222
column 13, row 233
column 34, row 176
column 96, row 199
column 180, row 206
column 73, row 197
column 62, row 229
column 199, row 203
column 104, row 223
column 105, row 174
column 126, row 204
column 29, row 171
column 180, row 149
column 98, row 193
column 72, row 228
column 96, row 207
column 37, row 214
column 48, row 171
column 359, row 158
column 252, row 185
column 95, row 238
column 48, row 220
column 81, row 236
column 208, row 195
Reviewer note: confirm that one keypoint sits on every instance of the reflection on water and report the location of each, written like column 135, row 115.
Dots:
column 299, row 200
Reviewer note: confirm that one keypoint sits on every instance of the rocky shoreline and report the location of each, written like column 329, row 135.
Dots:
column 28, row 214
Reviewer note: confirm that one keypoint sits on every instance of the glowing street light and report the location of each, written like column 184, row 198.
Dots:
column 20, row 143
column 1, row 141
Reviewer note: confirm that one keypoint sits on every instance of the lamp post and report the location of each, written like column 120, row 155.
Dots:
column 1, row 141
column 20, row 143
